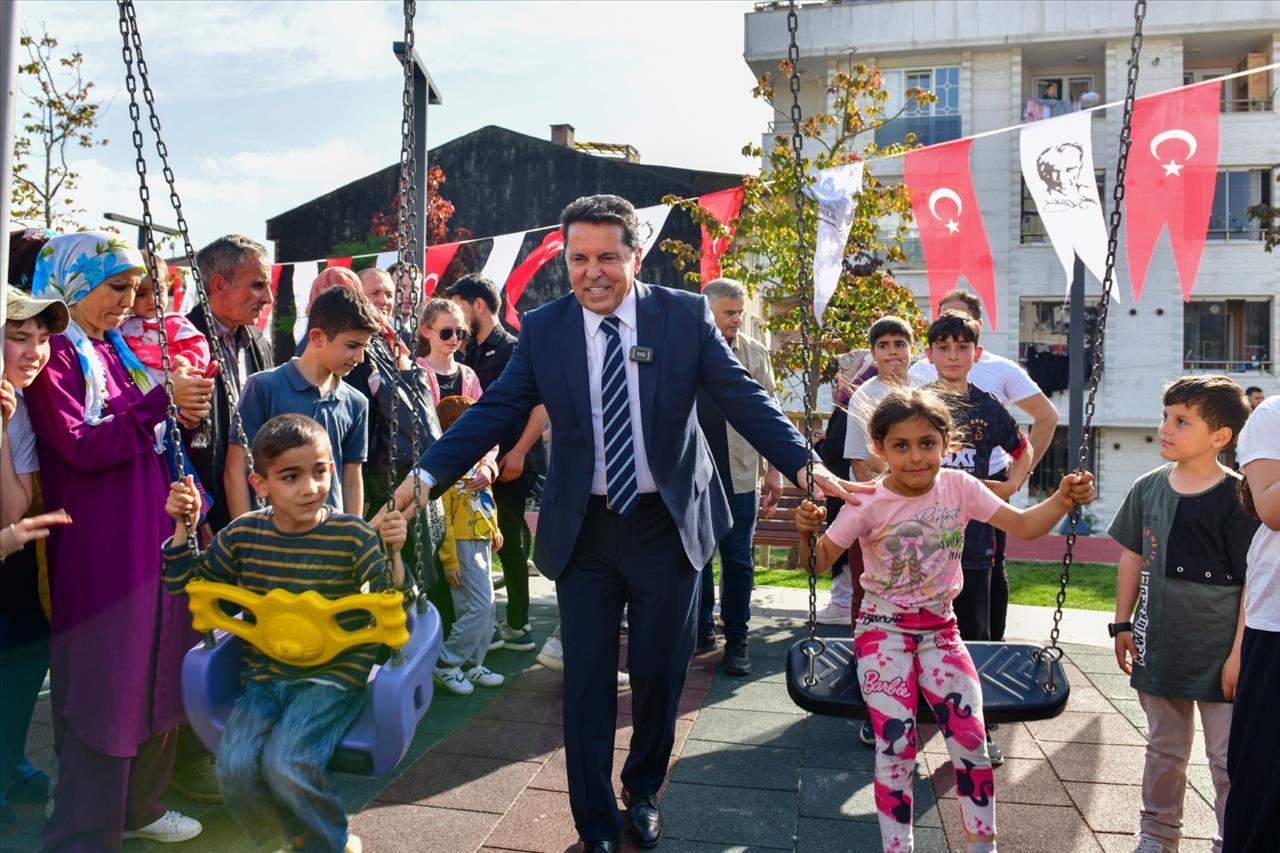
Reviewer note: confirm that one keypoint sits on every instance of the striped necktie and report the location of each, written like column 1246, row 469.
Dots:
column 615, row 403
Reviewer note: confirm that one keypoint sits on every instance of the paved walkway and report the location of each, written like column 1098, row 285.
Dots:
column 752, row 771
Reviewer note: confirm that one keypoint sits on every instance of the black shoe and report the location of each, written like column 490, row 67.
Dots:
column 600, row 846
column 866, row 734
column 643, row 822
column 706, row 640
column 994, row 752
column 736, row 660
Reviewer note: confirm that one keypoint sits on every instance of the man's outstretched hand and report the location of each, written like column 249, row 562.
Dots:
column 832, row 486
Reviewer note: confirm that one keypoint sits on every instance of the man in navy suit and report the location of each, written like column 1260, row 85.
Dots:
column 632, row 506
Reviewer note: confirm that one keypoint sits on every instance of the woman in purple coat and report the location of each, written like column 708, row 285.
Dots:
column 116, row 638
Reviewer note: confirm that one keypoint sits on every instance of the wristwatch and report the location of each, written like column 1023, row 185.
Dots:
column 1114, row 628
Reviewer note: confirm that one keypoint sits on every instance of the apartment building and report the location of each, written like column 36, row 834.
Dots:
column 985, row 59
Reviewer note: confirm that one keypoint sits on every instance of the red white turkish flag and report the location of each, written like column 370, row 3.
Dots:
column 552, row 245
column 951, row 229
column 725, row 205
column 345, row 263
column 264, row 319
column 1172, row 172
column 434, row 264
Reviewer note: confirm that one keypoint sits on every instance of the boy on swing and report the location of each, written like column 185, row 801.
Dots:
column 273, row 758
column 1185, row 540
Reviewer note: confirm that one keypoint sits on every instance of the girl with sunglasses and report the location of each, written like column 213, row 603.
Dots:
column 442, row 333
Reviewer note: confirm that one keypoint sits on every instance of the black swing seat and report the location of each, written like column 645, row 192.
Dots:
column 1015, row 681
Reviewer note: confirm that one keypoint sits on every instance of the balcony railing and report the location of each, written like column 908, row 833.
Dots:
column 929, row 130
column 1248, row 105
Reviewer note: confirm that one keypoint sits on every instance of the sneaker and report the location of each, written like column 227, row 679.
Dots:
column 516, row 640
column 533, row 570
column 499, row 580
column 484, row 677
column 1150, row 844
column 452, row 679
column 354, row 844
column 624, row 680
column 834, row 614
column 170, row 829
column 552, row 654
column 706, row 641
column 737, row 661
column 497, row 642
column 994, row 752
column 867, row 734
column 196, row 781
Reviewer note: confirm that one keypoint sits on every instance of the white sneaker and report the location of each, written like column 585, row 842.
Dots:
column 552, row 654
column 484, row 677
column 170, row 829
column 453, row 680
column 496, row 642
column 1150, row 844
column 533, row 570
column 834, row 614
column 624, row 680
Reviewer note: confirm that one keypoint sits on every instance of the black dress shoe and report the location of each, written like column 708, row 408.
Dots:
column 707, row 641
column 736, row 660
column 600, row 846
column 643, row 822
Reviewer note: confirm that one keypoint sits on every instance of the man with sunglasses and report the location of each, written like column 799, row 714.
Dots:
column 521, row 457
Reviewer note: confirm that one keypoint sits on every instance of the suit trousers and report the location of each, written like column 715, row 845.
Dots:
column 637, row 561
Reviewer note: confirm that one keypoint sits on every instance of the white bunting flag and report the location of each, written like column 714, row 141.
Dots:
column 651, row 220
column 304, row 275
column 1057, row 166
column 502, row 257
column 835, row 190
column 385, row 259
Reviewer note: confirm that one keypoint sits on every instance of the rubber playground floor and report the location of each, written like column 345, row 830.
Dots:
column 751, row 771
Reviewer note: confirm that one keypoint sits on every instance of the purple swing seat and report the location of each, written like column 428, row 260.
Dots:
column 399, row 692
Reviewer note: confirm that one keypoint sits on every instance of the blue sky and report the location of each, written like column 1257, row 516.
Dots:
column 268, row 104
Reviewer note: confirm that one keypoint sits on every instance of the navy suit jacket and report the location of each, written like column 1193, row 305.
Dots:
column 549, row 366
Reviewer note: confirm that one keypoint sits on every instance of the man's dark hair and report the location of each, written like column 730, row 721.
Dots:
column 1217, row 399
column 222, row 256
column 971, row 303
column 890, row 325
column 1252, row 389
column 603, row 210
column 954, row 326
column 343, row 309
column 475, row 286
column 283, row 433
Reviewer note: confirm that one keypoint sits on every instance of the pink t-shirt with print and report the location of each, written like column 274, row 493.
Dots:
column 911, row 546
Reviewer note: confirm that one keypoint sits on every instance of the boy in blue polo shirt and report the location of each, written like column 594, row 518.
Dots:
column 341, row 322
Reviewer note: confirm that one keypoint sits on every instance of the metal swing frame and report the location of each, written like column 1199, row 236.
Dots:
column 401, row 689
column 1019, row 681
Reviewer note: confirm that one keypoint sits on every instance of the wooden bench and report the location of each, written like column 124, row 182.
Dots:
column 779, row 531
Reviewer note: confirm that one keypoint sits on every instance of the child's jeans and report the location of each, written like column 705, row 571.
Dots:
column 900, row 653
column 1171, row 725
column 472, row 607
column 273, row 760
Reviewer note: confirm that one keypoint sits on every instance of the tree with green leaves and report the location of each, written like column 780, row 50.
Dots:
column 762, row 254
column 60, row 117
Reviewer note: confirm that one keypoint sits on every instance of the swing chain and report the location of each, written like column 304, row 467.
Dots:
column 172, row 429
column 129, row 29
column 814, row 646
column 1108, row 284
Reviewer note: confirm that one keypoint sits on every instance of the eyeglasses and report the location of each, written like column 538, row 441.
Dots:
column 448, row 333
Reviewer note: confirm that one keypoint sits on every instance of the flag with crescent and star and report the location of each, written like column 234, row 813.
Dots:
column 552, row 244
column 1172, row 172
column 434, row 264
column 1057, row 167
column 725, row 205
column 951, row 230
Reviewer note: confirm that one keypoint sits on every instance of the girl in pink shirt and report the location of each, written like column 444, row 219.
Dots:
column 911, row 530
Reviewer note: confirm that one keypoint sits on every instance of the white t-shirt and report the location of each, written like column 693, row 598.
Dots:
column 1003, row 378
column 1260, row 439
column 22, row 440
column 857, row 442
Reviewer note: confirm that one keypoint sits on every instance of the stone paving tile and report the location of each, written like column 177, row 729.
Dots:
column 1200, row 778
column 728, row 693
column 817, row 835
column 1125, row 843
column 1114, row 808
column 622, row 735
column 1018, row 780
column 758, row 727
column 1075, row 727
column 836, row 749
column 514, row 741
column 538, row 678
column 526, row 707
column 553, row 776
column 1025, row 828
column 538, row 822
column 690, row 701
column 681, row 846
column 704, row 762
column 848, row 794
column 729, row 816
column 1100, row 663
column 467, row 782
column 1114, row 685
column 389, row 827
column 1013, row 738
column 1131, row 710
column 1088, row 762
column 1085, row 698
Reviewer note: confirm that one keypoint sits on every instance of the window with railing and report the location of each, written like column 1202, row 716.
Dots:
column 1058, row 94
column 1222, row 335
column 1238, row 190
column 1032, row 229
column 931, row 123
column 1251, row 93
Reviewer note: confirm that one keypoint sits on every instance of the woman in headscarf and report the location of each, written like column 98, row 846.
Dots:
column 117, row 640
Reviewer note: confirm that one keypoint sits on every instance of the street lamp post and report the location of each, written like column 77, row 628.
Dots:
column 424, row 93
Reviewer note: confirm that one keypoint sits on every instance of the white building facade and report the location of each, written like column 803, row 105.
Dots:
column 985, row 59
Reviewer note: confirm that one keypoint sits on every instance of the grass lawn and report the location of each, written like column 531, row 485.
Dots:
column 1092, row 587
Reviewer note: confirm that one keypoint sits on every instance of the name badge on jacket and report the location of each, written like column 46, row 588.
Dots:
column 642, row 355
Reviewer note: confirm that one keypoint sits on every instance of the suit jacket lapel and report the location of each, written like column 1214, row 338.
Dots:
column 574, row 351
column 651, row 325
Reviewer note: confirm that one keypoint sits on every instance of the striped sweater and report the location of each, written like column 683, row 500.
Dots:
column 335, row 558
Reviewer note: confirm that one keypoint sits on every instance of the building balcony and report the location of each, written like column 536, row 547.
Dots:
column 928, row 130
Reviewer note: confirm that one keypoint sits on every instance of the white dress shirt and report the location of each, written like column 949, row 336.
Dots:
column 596, row 343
